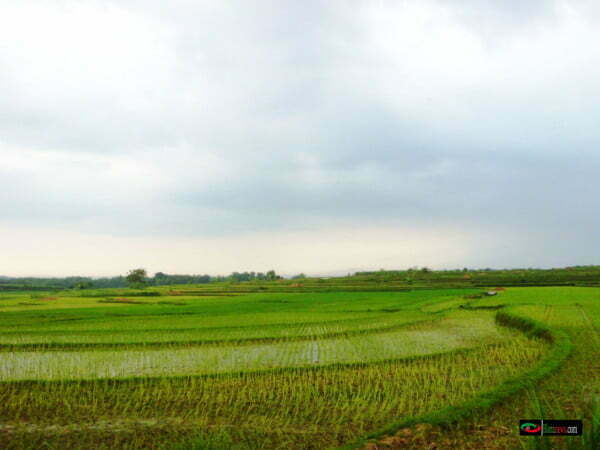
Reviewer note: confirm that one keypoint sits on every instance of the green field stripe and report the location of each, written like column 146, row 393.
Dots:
column 158, row 379
column 275, row 325
column 560, row 350
column 208, row 342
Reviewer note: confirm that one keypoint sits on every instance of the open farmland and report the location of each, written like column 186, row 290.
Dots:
column 299, row 225
column 217, row 367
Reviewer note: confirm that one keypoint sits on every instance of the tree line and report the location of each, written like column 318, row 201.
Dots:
column 139, row 278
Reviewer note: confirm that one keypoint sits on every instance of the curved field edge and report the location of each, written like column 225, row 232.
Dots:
column 211, row 342
column 561, row 347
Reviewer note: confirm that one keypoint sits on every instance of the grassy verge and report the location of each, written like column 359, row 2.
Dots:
column 561, row 347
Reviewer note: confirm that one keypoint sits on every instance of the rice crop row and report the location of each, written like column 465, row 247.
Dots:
column 337, row 367
column 303, row 408
column 13, row 340
column 571, row 391
column 462, row 329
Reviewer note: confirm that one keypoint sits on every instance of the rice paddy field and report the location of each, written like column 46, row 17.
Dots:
column 213, row 368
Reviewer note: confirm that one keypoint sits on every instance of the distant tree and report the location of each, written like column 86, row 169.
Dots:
column 271, row 275
column 203, row 279
column 84, row 285
column 301, row 276
column 160, row 278
column 136, row 278
column 425, row 270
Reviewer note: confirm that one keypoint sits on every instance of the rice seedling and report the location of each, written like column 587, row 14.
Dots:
column 457, row 331
column 570, row 391
column 293, row 408
column 290, row 370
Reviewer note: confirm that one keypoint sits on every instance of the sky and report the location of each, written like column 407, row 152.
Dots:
column 321, row 137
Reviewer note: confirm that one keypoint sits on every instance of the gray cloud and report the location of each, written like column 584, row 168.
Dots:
column 200, row 119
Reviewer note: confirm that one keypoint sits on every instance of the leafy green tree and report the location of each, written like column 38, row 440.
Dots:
column 136, row 278
column 271, row 275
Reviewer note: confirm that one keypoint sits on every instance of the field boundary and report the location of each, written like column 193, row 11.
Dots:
column 560, row 350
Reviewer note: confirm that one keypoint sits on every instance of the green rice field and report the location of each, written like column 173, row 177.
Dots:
column 205, row 369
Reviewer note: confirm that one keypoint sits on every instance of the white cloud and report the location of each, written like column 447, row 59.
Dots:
column 211, row 120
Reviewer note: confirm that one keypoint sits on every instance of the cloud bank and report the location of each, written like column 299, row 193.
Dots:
column 306, row 136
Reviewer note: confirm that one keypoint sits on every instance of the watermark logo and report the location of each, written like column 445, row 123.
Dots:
column 542, row 427
column 533, row 427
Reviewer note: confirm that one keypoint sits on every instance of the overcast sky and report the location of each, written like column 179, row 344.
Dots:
column 315, row 136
